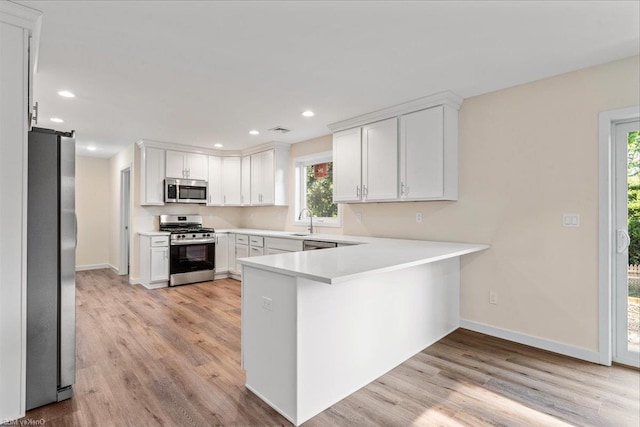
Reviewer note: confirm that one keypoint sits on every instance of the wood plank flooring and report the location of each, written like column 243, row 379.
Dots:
column 172, row 357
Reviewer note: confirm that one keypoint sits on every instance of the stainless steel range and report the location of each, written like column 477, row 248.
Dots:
column 192, row 248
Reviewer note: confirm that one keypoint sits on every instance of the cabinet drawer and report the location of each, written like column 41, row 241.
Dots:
column 256, row 241
column 157, row 241
column 242, row 239
column 255, row 251
column 287, row 245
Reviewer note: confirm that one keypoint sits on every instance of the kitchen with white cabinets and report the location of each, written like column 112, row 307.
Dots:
column 445, row 271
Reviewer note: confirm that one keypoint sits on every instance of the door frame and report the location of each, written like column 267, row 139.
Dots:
column 606, row 226
column 125, row 217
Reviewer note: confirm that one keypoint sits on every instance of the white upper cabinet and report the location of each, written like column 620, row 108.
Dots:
column 405, row 152
column 152, row 176
column 245, row 181
column 347, row 165
column 215, row 197
column 380, row 161
column 231, row 181
column 184, row 165
column 422, row 154
column 269, row 177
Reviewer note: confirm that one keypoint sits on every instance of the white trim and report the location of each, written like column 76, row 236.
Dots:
column 273, row 405
column 542, row 343
column 113, row 268
column 87, row 267
column 442, row 98
column 149, row 286
column 124, row 259
column 607, row 119
column 136, row 281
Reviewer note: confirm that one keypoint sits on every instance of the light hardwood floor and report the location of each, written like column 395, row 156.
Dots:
column 172, row 357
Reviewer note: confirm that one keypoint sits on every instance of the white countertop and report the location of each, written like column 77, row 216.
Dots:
column 154, row 233
column 369, row 255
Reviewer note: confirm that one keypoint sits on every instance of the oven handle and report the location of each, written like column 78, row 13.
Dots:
column 192, row 242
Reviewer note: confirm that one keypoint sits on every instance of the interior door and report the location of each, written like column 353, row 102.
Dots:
column 626, row 286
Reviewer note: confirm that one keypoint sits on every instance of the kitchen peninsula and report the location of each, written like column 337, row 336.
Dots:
column 319, row 325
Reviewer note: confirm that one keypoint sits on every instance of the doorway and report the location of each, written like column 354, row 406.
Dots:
column 125, row 215
column 626, row 207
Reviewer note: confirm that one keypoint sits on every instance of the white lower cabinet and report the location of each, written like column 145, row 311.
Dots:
column 154, row 261
column 222, row 253
column 242, row 251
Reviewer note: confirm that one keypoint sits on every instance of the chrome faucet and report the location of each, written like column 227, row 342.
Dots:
column 310, row 216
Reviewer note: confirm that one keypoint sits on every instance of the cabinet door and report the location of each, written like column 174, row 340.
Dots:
column 256, row 179
column 347, row 165
column 242, row 251
column 159, row 264
column 380, row 160
column 231, row 243
column 422, row 154
column 231, row 180
column 175, row 164
column 153, row 176
column 196, row 166
column 222, row 253
column 245, row 180
column 215, row 182
column 268, row 177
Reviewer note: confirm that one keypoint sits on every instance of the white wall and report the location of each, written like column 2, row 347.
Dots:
column 93, row 203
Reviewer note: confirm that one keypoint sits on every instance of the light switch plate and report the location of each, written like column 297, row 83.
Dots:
column 571, row 220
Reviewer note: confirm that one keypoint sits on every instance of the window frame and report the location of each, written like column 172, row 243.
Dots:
column 300, row 202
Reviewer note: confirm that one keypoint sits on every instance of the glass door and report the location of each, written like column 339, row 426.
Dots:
column 626, row 287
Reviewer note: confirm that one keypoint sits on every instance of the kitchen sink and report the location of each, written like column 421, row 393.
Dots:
column 299, row 234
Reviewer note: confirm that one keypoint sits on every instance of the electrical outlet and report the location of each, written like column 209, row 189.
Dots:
column 418, row 217
column 493, row 297
column 267, row 303
column 359, row 216
column 571, row 220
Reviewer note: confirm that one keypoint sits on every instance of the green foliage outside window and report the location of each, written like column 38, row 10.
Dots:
column 633, row 194
column 320, row 194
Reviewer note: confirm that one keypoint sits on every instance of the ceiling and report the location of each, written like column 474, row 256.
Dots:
column 205, row 72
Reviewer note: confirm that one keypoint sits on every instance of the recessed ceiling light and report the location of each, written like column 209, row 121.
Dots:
column 66, row 94
column 91, row 148
column 308, row 113
column 254, row 132
column 56, row 120
column 218, row 145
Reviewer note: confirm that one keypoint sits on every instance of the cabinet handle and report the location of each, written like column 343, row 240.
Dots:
column 241, row 199
column 35, row 113
column 401, row 188
column 365, row 191
column 357, row 192
column 166, row 254
column 224, row 200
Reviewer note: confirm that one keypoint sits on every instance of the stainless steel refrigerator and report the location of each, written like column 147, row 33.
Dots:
column 51, row 254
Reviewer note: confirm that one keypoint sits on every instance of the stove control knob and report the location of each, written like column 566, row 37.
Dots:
column 182, row 236
column 194, row 236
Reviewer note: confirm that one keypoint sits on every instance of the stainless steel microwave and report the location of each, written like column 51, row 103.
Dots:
column 185, row 191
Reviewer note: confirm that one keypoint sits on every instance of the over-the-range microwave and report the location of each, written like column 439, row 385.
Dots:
column 185, row 191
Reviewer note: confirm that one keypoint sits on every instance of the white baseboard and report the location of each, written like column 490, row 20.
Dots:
column 114, row 269
column 542, row 343
column 153, row 285
column 87, row 267
column 134, row 281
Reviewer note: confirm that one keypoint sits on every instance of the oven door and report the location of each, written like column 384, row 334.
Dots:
column 192, row 262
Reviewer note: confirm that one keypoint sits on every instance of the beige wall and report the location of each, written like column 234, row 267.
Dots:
column 92, row 209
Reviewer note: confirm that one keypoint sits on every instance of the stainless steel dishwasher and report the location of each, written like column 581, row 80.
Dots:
column 312, row 245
